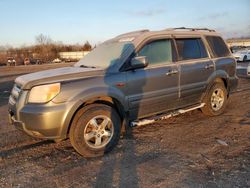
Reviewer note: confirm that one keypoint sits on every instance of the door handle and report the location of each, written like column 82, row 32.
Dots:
column 209, row 66
column 172, row 72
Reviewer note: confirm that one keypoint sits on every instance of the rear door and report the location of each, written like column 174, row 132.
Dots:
column 154, row 88
column 195, row 67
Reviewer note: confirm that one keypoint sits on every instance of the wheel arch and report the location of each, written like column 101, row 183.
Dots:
column 102, row 99
column 217, row 76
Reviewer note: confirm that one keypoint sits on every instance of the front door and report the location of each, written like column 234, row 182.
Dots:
column 154, row 88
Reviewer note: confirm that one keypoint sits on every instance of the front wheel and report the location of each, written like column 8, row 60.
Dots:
column 95, row 130
column 215, row 100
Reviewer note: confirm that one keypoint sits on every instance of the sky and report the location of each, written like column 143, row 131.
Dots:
column 78, row 21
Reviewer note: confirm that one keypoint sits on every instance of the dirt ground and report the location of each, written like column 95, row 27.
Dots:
column 190, row 150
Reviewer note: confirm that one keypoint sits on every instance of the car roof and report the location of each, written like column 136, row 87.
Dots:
column 137, row 36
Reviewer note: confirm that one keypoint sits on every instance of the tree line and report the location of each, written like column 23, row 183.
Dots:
column 45, row 50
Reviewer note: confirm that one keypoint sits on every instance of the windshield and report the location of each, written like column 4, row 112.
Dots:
column 104, row 55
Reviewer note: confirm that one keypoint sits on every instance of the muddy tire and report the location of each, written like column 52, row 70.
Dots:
column 95, row 130
column 215, row 100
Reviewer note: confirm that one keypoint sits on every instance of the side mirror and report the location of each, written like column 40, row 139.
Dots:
column 139, row 62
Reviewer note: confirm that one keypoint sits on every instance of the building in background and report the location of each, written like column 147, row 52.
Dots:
column 238, row 42
column 72, row 56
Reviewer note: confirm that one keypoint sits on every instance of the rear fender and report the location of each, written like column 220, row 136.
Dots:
column 216, row 76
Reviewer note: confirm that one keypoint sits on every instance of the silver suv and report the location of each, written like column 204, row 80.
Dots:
column 133, row 79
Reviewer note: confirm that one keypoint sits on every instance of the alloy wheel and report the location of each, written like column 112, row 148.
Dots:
column 217, row 99
column 98, row 131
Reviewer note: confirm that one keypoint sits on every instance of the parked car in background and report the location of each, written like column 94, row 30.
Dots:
column 39, row 61
column 132, row 79
column 237, row 48
column 26, row 61
column 57, row 60
column 11, row 61
column 242, row 55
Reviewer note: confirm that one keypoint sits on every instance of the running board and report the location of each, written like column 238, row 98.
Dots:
column 164, row 116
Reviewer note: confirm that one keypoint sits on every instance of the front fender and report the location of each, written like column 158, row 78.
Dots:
column 96, row 92
column 88, row 95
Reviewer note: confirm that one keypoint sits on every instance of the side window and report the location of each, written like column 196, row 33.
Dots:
column 190, row 49
column 157, row 52
column 217, row 46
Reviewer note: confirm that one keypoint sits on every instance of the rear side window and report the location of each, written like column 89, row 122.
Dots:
column 218, row 46
column 190, row 49
column 157, row 52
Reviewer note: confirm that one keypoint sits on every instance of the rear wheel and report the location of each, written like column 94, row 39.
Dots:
column 215, row 100
column 95, row 130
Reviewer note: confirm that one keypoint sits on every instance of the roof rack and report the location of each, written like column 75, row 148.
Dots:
column 134, row 32
column 190, row 29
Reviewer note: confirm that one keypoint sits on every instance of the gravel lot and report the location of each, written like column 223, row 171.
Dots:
column 190, row 150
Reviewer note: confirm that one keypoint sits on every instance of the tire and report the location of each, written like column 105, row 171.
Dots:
column 245, row 58
column 215, row 99
column 95, row 130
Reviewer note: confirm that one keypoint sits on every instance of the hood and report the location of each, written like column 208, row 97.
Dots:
column 56, row 75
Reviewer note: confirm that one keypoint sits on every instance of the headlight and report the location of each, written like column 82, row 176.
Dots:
column 44, row 93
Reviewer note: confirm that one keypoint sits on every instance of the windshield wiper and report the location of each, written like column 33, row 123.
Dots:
column 86, row 66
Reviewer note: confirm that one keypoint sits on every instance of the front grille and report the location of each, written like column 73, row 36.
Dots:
column 15, row 94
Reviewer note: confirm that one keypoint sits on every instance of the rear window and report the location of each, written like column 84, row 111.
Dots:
column 218, row 46
column 190, row 49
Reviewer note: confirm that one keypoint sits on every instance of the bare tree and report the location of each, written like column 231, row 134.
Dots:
column 3, row 58
column 44, row 48
column 43, row 40
column 87, row 46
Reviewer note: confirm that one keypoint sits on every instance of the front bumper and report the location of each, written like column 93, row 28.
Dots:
column 20, row 126
column 48, row 121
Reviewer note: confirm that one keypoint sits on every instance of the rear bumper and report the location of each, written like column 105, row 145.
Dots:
column 232, row 83
column 243, row 72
